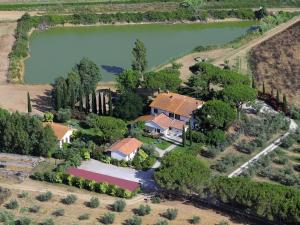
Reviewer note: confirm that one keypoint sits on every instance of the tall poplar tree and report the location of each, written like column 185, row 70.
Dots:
column 139, row 52
column 183, row 136
column 87, row 104
column 110, row 108
column 94, row 103
column 100, row 112
column 104, row 104
column 29, row 108
column 277, row 96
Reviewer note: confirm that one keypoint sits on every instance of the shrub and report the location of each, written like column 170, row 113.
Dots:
column 94, row 203
column 44, row 197
column 70, row 199
column 215, row 137
column 119, row 205
column 13, row 204
column 282, row 160
column 84, row 216
column 223, row 222
column 23, row 221
column 287, row 142
column 171, row 214
column 59, row 212
column 195, row 220
column 134, row 221
column 108, row 218
column 143, row 210
column 63, row 115
column 23, row 194
column 4, row 194
column 6, row 217
column 211, row 152
column 34, row 209
column 162, row 222
column 156, row 200
column 47, row 222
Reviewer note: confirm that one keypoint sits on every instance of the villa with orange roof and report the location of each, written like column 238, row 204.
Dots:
column 63, row 133
column 125, row 149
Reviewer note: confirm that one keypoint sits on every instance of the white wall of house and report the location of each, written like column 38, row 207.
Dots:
column 66, row 138
column 120, row 156
column 151, row 126
column 175, row 131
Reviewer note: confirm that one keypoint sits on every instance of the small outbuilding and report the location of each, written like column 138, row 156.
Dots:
column 125, row 149
column 63, row 133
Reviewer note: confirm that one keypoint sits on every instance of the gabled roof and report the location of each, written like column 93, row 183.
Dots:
column 59, row 129
column 176, row 103
column 165, row 122
column 126, row 146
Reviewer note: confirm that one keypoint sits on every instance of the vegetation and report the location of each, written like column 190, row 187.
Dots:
column 171, row 214
column 44, row 197
column 143, row 210
column 70, row 199
column 84, row 216
column 94, row 203
column 139, row 52
column 119, row 205
column 108, row 218
column 134, row 221
column 21, row 134
column 13, row 204
column 58, row 212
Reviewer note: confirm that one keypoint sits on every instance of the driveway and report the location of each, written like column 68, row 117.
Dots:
column 145, row 178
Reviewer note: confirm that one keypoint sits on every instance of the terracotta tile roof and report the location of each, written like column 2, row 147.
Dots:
column 144, row 118
column 59, row 129
column 176, row 103
column 165, row 122
column 125, row 184
column 126, row 146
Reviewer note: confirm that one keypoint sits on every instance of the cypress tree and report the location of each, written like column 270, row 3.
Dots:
column 285, row 104
column 104, row 104
column 272, row 92
column 253, row 83
column 87, row 104
column 29, row 108
column 264, row 88
column 183, row 136
column 277, row 97
column 110, row 110
column 80, row 101
column 94, row 103
column 190, row 133
column 100, row 103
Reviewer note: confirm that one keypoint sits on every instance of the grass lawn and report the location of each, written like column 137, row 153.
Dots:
column 47, row 166
column 162, row 144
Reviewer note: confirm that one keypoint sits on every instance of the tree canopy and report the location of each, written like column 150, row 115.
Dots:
column 239, row 94
column 181, row 171
column 216, row 114
column 128, row 106
column 139, row 52
column 128, row 80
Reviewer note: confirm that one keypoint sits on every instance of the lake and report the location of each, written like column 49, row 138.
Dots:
column 54, row 52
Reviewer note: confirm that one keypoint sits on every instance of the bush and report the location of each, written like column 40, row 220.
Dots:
column 288, row 142
column 171, row 214
column 108, row 218
column 119, row 205
column 155, row 200
column 70, row 199
column 134, row 221
column 84, row 216
column 63, row 115
column 23, row 194
column 143, row 210
column 6, row 217
column 94, row 203
column 211, row 152
column 13, row 204
column 44, row 197
column 215, row 137
column 23, row 221
column 195, row 220
column 223, row 222
column 59, row 212
column 47, row 222
column 162, row 222
column 34, row 209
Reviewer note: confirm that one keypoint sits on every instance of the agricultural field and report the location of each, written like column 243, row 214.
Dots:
column 278, row 67
column 62, row 211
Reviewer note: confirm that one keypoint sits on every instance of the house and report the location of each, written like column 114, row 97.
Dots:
column 165, row 125
column 63, row 133
column 125, row 149
column 175, row 106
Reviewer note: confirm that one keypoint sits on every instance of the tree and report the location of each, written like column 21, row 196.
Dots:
column 128, row 106
column 48, row 117
column 216, row 114
column 195, row 6
column 183, row 172
column 29, row 109
column 73, row 83
column 183, row 136
column 100, row 104
column 80, row 101
column 87, row 103
column 104, row 103
column 277, row 96
column 197, row 86
column 261, row 13
column 89, row 74
column 264, row 88
column 284, row 104
column 253, row 84
column 110, row 106
column 128, row 80
column 59, row 90
column 94, row 102
column 139, row 52
column 190, row 133
column 239, row 94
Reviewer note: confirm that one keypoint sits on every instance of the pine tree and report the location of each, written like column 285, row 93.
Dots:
column 285, row 104
column 190, row 133
column 110, row 108
column 264, row 88
column 183, row 136
column 87, row 104
column 277, row 97
column 94, row 103
column 100, row 113
column 29, row 108
column 104, row 104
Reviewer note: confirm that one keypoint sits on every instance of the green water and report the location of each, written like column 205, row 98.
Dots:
column 55, row 51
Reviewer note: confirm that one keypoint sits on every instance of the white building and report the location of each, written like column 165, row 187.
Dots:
column 63, row 133
column 125, row 149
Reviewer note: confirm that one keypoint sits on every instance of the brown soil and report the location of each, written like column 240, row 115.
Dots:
column 185, row 209
column 277, row 63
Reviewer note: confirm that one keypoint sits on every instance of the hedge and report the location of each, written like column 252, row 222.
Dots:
column 90, row 185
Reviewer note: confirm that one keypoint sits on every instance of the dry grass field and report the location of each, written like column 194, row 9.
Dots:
column 277, row 63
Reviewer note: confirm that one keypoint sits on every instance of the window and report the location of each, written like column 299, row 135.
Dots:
column 177, row 117
column 171, row 115
column 155, row 110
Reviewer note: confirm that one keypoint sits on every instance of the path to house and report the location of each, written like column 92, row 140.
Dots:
column 161, row 153
column 267, row 150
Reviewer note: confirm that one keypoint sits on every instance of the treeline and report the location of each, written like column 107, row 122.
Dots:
column 22, row 134
column 274, row 202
